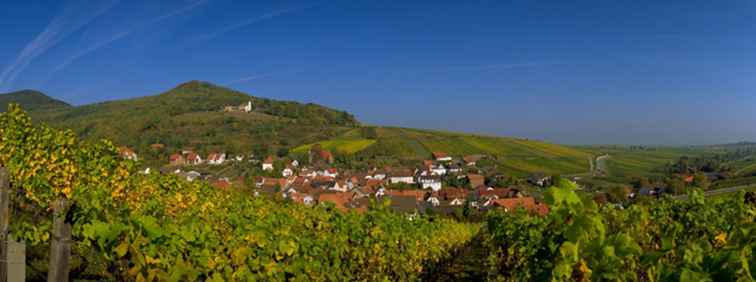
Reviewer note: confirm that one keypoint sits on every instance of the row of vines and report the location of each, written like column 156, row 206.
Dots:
column 128, row 226
column 667, row 240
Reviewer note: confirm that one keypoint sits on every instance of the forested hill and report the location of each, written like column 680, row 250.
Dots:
column 31, row 100
column 191, row 115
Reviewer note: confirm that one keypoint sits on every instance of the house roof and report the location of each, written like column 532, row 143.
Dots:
column 325, row 154
column 472, row 158
column 439, row 155
column 528, row 203
column 453, row 193
column 193, row 157
column 419, row 195
column 268, row 160
column 125, row 151
column 339, row 199
column 476, row 180
column 176, row 157
column 214, row 157
column 403, row 172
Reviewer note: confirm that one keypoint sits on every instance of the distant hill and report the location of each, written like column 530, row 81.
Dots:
column 191, row 116
column 31, row 100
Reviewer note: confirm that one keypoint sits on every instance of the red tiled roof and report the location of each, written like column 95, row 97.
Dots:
column 340, row 200
column 453, row 193
column 439, row 155
column 125, row 151
column 214, row 157
column 192, row 157
column 528, row 203
column 176, row 157
column 418, row 194
column 268, row 160
column 476, row 180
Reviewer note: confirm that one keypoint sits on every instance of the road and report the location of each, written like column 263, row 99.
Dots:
column 601, row 166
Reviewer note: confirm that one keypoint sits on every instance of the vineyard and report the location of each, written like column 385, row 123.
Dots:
column 132, row 227
column 695, row 240
column 127, row 226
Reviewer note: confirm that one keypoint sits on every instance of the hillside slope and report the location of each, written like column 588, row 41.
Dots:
column 191, row 115
column 516, row 156
column 31, row 101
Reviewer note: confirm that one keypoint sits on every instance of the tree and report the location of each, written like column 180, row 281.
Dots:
column 701, row 181
column 282, row 152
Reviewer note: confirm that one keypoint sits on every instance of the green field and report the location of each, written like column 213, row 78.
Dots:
column 625, row 162
column 516, row 156
column 344, row 146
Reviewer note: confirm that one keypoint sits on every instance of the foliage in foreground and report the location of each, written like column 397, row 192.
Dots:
column 695, row 240
column 128, row 226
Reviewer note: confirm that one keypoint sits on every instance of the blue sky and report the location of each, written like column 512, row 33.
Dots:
column 574, row 72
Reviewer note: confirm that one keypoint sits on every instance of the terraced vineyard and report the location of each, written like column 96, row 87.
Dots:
column 517, row 156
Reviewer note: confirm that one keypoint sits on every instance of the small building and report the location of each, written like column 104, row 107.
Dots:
column 527, row 203
column 216, row 158
column 441, row 157
column 193, row 159
column 430, row 182
column 402, row 176
column 476, row 180
column 472, row 160
column 286, row 172
column 267, row 164
column 127, row 153
column 177, row 160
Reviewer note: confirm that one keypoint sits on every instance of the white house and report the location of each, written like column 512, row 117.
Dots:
column 216, row 158
column 267, row 165
column 457, row 202
column 239, row 158
column 286, row 172
column 402, row 176
column 434, row 183
column 442, row 157
column 246, row 107
column 127, row 153
column 295, row 163
column 438, row 170
column 194, row 159
column 340, row 186
column 331, row 172
column 433, row 201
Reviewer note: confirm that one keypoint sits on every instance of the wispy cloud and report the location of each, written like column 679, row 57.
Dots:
column 247, row 79
column 72, row 18
column 117, row 36
column 247, row 22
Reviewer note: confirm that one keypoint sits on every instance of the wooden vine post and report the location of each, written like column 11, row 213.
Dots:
column 60, row 250
column 4, row 222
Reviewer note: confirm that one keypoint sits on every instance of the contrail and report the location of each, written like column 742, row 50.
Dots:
column 72, row 18
column 118, row 36
column 246, row 79
column 247, row 22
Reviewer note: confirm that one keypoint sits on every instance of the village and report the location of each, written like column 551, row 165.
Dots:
column 424, row 188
